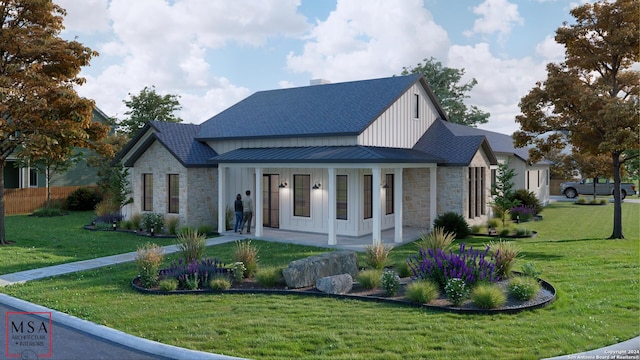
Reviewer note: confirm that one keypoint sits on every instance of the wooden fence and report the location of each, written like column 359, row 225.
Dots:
column 25, row 201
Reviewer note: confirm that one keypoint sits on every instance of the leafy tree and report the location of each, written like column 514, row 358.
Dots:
column 148, row 105
column 112, row 179
column 444, row 82
column 592, row 167
column 593, row 94
column 503, row 193
column 39, row 107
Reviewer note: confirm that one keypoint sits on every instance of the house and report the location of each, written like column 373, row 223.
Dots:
column 81, row 174
column 351, row 159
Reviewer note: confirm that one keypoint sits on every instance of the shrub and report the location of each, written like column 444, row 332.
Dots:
column 148, row 261
column 247, row 254
column 522, row 213
column 505, row 254
column 237, row 271
column 530, row 269
column 403, row 269
column 377, row 255
column 168, row 284
column 487, row 296
column 108, row 219
column 47, row 212
column 220, row 283
column 523, row 232
column 504, row 232
column 136, row 220
column 269, row 277
column 106, row 207
column 452, row 222
column 469, row 264
column 581, row 201
column 436, row 239
column 421, row 291
column 153, row 220
column 457, row 290
column 172, row 224
column 184, row 229
column 191, row 245
column 83, row 199
column 369, row 279
column 493, row 223
column 475, row 229
column 529, row 199
column 523, row 288
column 205, row 229
column 199, row 271
column 127, row 224
column 390, row 282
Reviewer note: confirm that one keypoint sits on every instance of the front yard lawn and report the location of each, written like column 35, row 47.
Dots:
column 597, row 304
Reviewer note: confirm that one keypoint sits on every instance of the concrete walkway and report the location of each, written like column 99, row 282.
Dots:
column 35, row 331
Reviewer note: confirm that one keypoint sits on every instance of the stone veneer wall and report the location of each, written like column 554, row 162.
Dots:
column 198, row 187
column 452, row 185
column 415, row 202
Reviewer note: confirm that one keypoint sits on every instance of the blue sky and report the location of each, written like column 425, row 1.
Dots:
column 215, row 53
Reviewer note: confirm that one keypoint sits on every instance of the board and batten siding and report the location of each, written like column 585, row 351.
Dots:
column 397, row 127
column 225, row 146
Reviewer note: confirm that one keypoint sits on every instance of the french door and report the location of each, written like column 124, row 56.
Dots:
column 270, row 200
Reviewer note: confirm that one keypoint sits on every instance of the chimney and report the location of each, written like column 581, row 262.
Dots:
column 319, row 82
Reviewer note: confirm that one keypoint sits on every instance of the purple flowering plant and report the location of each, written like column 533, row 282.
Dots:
column 522, row 212
column 469, row 264
column 202, row 270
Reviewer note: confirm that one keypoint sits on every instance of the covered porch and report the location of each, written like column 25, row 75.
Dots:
column 359, row 243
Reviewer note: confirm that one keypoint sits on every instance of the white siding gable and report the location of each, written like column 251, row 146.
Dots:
column 397, row 126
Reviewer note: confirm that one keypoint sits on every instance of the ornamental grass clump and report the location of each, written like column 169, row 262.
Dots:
column 377, row 255
column 505, row 254
column 523, row 288
column 247, row 254
column 438, row 238
column 390, row 282
column 148, row 261
column 470, row 265
column 530, row 269
column 191, row 245
column 269, row 276
column 220, row 283
column 457, row 291
column 369, row 279
column 421, row 291
column 488, row 296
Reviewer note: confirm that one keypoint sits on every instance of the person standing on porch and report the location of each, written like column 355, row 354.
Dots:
column 247, row 204
column 239, row 212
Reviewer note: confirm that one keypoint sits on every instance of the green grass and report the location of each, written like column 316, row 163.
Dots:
column 47, row 241
column 597, row 305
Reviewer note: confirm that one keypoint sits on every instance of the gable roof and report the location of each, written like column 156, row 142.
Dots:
column 178, row 139
column 340, row 109
column 325, row 154
column 455, row 149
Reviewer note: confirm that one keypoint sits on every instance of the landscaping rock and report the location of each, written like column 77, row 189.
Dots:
column 305, row 272
column 336, row 284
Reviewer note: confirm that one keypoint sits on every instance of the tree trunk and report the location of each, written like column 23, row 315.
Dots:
column 617, row 199
column 3, row 239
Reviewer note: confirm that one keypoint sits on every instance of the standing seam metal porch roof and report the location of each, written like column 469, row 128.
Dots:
column 326, row 154
column 340, row 109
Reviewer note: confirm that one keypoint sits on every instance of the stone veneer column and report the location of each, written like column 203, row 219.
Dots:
column 397, row 204
column 222, row 222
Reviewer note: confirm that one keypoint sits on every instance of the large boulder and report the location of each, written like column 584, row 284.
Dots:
column 336, row 284
column 305, row 272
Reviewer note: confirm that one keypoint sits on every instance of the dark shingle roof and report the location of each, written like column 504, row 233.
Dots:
column 322, row 154
column 321, row 110
column 500, row 143
column 178, row 139
column 455, row 149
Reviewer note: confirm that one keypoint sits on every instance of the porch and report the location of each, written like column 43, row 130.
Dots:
column 409, row 234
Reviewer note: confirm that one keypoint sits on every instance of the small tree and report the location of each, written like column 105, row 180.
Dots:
column 502, row 191
column 148, row 105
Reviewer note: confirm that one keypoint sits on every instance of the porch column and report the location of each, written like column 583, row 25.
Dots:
column 333, row 240
column 433, row 194
column 397, row 204
column 222, row 223
column 376, row 189
column 258, row 203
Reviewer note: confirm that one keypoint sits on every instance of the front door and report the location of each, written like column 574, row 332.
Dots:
column 270, row 200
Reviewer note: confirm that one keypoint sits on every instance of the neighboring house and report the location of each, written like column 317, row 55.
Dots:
column 351, row 158
column 16, row 177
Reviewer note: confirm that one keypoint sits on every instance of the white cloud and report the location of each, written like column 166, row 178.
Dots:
column 360, row 42
column 86, row 16
column 501, row 82
column 497, row 16
column 550, row 50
